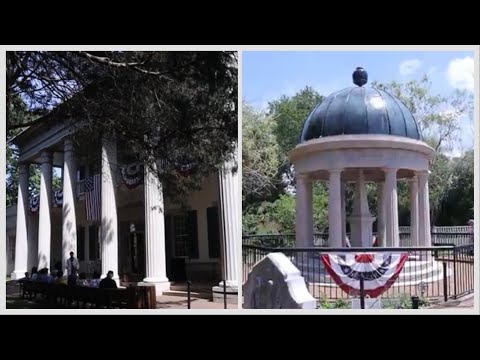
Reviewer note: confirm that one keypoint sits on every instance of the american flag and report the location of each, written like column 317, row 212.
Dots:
column 93, row 187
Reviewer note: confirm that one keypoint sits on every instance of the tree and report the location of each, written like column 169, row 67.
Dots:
column 438, row 116
column 456, row 203
column 260, row 160
column 439, row 120
column 180, row 107
column 290, row 114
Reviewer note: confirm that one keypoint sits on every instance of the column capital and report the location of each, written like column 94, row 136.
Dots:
column 46, row 156
column 303, row 178
column 387, row 170
column 423, row 173
column 23, row 167
column 413, row 180
column 68, row 144
column 335, row 171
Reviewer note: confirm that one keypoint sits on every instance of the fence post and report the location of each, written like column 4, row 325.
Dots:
column 362, row 293
column 445, row 282
column 415, row 302
column 189, row 285
column 455, row 272
column 224, row 294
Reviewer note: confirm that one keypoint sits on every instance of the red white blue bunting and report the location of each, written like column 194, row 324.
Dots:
column 58, row 198
column 132, row 175
column 378, row 270
column 34, row 203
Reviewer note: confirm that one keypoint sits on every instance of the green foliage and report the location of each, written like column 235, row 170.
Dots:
column 290, row 114
column 439, row 119
column 181, row 107
column 260, row 160
column 404, row 302
column 456, row 203
column 324, row 303
column 20, row 114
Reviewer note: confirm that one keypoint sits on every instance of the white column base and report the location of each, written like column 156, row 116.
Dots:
column 18, row 274
column 231, row 291
column 230, row 288
column 161, row 284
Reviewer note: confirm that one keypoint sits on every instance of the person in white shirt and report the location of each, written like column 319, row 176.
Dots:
column 72, row 269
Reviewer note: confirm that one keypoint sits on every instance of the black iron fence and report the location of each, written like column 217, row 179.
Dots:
column 194, row 289
column 430, row 273
column 321, row 239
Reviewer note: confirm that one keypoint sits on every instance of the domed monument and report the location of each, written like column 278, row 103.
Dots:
column 357, row 135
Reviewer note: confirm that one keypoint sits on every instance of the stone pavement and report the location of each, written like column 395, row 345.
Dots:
column 163, row 302
column 462, row 303
column 180, row 302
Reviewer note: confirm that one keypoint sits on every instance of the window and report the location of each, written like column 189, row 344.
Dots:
column 81, row 243
column 94, row 245
column 213, row 233
column 81, row 173
column 185, row 235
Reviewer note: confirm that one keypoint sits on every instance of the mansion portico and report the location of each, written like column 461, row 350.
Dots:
column 139, row 234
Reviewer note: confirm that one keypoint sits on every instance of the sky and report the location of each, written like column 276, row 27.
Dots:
column 267, row 75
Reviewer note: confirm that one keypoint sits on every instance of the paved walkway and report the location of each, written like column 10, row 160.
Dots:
column 14, row 301
column 180, row 302
column 463, row 303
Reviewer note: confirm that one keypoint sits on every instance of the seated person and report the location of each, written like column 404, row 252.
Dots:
column 43, row 275
column 26, row 278
column 82, row 279
column 95, row 281
column 108, row 282
column 60, row 280
column 34, row 273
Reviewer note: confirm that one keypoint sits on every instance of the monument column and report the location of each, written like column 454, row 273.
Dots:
column 424, row 234
column 391, row 208
column 334, row 209
column 381, row 215
column 414, row 211
column 303, row 212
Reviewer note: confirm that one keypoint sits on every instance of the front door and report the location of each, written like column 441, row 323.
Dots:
column 136, row 255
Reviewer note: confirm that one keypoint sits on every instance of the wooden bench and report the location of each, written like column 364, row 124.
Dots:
column 59, row 295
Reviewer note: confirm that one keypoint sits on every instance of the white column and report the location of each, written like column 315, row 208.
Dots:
column 230, row 210
column 44, row 222
column 303, row 212
column 69, row 221
column 155, row 264
column 380, row 215
column 413, row 182
column 424, row 235
column 344, row 217
column 391, row 208
column 109, row 225
column 21, row 241
column 334, row 209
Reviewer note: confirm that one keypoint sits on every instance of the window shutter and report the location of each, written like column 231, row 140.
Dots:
column 213, row 233
column 193, row 233
column 81, row 243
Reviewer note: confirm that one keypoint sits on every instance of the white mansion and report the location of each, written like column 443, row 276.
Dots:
column 138, row 234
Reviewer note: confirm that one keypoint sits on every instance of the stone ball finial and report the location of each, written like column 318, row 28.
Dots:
column 360, row 76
